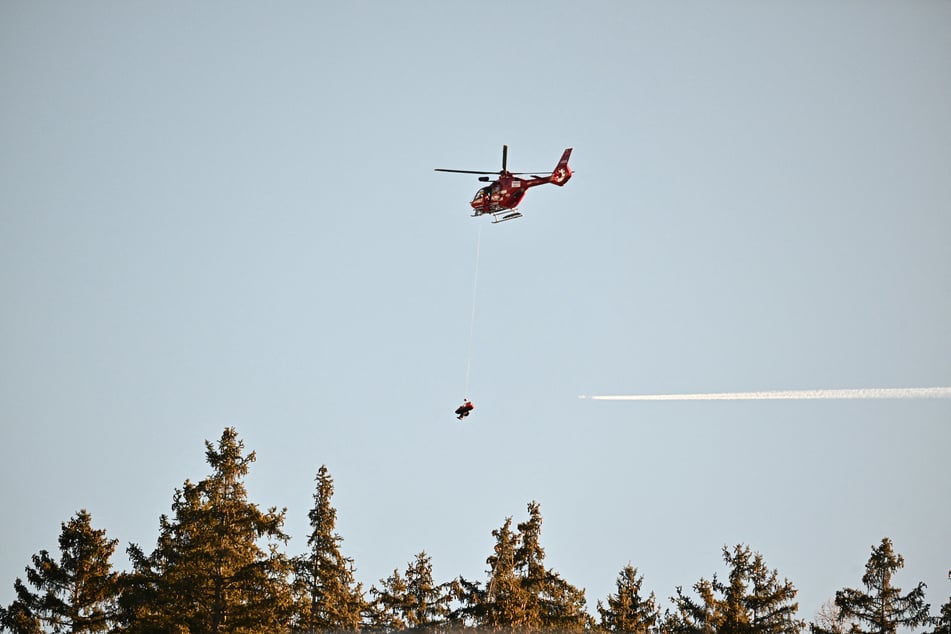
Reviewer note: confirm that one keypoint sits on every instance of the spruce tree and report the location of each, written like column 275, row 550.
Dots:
column 530, row 567
column 942, row 622
column 328, row 598
column 208, row 572
column 882, row 607
column 550, row 601
column 471, row 603
column 627, row 610
column 387, row 610
column 412, row 601
column 503, row 604
column 752, row 601
column 427, row 604
column 770, row 601
column 691, row 616
column 17, row 619
column 521, row 592
column 75, row 594
column 563, row 606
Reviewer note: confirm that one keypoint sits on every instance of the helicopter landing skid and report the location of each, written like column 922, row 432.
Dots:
column 509, row 214
column 499, row 216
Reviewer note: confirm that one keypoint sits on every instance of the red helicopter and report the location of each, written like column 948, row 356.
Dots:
column 501, row 197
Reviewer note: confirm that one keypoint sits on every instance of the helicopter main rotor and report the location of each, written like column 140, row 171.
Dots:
column 504, row 170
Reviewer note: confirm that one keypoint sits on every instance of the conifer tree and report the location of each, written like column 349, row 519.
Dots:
column 388, row 608
column 17, row 619
column 328, row 596
column 628, row 611
column 942, row 622
column 882, row 607
column 521, row 592
column 563, row 607
column 208, row 572
column 75, row 594
column 530, row 567
column 752, row 601
column 770, row 602
column 550, row 601
column 471, row 603
column 503, row 604
column 412, row 601
column 693, row 617
column 427, row 604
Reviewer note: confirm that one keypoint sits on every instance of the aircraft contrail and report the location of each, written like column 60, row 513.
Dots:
column 787, row 395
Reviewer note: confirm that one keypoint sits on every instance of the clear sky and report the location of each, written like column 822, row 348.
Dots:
column 225, row 214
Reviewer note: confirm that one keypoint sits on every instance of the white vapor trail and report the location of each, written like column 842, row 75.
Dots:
column 788, row 395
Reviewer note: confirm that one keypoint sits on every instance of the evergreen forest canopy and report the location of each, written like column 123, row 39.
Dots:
column 219, row 565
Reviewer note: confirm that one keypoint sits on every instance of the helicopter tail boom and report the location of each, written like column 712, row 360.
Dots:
column 562, row 172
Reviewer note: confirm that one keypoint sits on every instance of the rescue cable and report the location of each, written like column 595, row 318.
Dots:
column 475, row 286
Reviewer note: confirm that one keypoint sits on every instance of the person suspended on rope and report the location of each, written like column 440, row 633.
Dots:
column 464, row 409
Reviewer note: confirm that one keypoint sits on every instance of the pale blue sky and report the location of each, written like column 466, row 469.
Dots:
column 224, row 214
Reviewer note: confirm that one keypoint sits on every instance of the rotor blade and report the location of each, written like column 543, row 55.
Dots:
column 532, row 174
column 438, row 169
column 505, row 156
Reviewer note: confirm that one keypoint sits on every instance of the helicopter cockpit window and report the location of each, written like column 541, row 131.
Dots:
column 483, row 193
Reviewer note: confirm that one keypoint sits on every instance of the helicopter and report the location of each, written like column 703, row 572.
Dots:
column 501, row 197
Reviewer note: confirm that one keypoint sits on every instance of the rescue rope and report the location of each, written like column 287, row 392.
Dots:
column 475, row 286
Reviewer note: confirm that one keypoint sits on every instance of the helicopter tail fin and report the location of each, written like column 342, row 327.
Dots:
column 562, row 172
